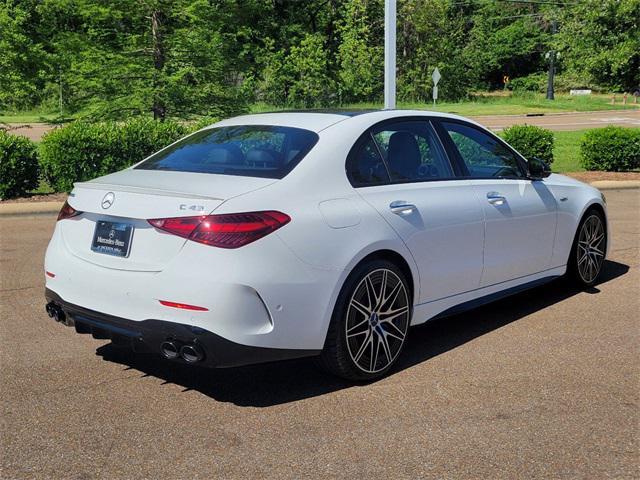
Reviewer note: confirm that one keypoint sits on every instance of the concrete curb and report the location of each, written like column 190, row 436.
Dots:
column 615, row 184
column 39, row 208
column 558, row 114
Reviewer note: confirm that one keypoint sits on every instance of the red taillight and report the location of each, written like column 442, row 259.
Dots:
column 183, row 306
column 67, row 211
column 230, row 230
column 181, row 226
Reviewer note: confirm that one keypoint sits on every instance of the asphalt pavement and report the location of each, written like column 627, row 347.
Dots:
column 564, row 121
column 552, row 121
column 544, row 384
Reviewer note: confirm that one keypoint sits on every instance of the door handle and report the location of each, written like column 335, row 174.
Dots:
column 495, row 198
column 400, row 207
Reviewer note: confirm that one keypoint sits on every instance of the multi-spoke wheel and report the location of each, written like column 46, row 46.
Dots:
column 590, row 245
column 370, row 323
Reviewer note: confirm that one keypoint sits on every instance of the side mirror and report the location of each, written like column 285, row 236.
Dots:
column 538, row 169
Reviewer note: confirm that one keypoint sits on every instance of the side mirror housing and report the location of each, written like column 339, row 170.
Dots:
column 538, row 169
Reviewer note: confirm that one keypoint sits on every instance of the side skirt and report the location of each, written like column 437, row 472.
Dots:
column 478, row 302
column 456, row 304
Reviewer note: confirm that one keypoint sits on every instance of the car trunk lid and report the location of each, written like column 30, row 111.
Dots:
column 113, row 204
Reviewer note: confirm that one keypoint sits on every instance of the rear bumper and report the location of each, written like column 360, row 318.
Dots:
column 261, row 295
column 147, row 336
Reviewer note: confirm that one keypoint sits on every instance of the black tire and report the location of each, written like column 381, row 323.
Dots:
column 586, row 275
column 385, row 328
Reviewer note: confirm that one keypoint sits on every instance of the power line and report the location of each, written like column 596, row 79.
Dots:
column 541, row 2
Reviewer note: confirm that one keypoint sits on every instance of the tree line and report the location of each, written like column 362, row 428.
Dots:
column 185, row 58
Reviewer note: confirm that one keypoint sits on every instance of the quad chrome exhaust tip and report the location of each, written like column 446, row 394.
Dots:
column 55, row 312
column 192, row 353
column 170, row 349
column 189, row 352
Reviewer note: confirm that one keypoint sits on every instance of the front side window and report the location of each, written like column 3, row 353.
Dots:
column 246, row 150
column 483, row 155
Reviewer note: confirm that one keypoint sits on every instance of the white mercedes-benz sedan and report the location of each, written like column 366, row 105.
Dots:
column 326, row 234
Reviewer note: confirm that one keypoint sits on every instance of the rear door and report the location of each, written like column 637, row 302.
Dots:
column 520, row 213
column 400, row 168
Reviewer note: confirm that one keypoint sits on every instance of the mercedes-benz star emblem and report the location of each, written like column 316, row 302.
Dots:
column 108, row 200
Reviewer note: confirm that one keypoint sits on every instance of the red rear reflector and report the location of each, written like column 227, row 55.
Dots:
column 51, row 275
column 230, row 230
column 67, row 211
column 184, row 306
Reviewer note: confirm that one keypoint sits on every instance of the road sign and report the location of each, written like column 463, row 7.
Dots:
column 436, row 76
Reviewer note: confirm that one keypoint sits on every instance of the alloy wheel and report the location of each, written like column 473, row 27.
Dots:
column 591, row 248
column 377, row 320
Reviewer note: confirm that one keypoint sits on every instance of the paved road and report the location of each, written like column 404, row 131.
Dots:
column 564, row 121
column 542, row 385
column 568, row 121
column 34, row 131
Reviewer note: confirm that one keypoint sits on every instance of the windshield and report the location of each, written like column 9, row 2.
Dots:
column 247, row 150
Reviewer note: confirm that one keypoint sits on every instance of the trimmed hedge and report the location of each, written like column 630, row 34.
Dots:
column 614, row 149
column 19, row 169
column 531, row 141
column 81, row 151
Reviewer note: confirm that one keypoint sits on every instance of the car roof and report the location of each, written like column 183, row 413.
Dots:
column 318, row 120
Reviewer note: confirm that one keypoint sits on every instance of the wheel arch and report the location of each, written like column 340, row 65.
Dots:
column 398, row 260
column 600, row 208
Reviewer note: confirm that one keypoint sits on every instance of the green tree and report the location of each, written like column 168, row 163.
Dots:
column 507, row 39
column 120, row 58
column 600, row 40
column 431, row 33
column 23, row 59
column 360, row 59
column 311, row 84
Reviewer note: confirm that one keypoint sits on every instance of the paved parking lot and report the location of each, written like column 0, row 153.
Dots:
column 542, row 385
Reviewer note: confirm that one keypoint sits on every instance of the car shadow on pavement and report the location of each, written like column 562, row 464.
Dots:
column 283, row 382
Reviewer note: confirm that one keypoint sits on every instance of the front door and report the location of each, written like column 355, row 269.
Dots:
column 520, row 214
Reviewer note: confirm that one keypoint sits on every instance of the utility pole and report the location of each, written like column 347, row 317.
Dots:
column 159, row 107
column 389, row 54
column 552, row 63
column 60, row 87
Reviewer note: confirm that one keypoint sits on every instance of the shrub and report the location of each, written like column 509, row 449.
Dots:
column 18, row 165
column 205, row 122
column 81, row 151
column 614, row 149
column 536, row 82
column 531, row 141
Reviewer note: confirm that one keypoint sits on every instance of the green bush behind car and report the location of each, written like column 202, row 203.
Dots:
column 81, row 151
column 613, row 149
column 19, row 169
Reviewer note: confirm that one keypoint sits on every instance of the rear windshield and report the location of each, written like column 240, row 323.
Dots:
column 248, row 150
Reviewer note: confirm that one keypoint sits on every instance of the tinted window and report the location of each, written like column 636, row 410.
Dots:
column 411, row 152
column 483, row 155
column 250, row 150
column 365, row 166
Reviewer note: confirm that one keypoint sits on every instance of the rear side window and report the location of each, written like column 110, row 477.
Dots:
column 402, row 151
column 365, row 166
column 248, row 150
column 411, row 152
